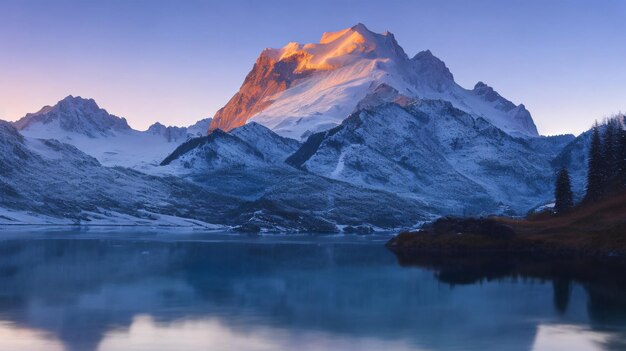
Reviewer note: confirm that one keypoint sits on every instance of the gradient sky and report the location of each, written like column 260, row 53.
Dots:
column 179, row 61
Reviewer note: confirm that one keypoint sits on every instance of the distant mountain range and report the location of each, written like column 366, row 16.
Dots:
column 82, row 123
column 347, row 134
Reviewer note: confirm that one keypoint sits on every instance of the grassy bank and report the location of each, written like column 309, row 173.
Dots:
column 597, row 230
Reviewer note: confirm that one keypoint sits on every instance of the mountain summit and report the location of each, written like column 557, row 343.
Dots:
column 301, row 89
column 74, row 114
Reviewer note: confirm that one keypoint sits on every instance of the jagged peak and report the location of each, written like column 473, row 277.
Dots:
column 360, row 28
column 171, row 133
column 70, row 101
column 428, row 56
column 427, row 62
column 334, row 48
column 76, row 114
column 432, row 71
column 424, row 53
column 479, row 85
column 491, row 95
column 79, row 101
column 156, row 125
column 159, row 125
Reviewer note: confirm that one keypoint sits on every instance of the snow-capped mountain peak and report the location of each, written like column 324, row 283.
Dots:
column 339, row 49
column 73, row 114
column 347, row 58
column 301, row 89
column 82, row 123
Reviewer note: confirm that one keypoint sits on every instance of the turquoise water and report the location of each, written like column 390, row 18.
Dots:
column 154, row 290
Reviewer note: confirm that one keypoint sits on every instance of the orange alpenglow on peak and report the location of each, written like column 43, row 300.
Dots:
column 278, row 69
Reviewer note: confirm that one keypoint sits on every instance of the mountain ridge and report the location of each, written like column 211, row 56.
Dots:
column 81, row 122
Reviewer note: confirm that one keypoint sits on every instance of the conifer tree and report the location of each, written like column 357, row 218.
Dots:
column 594, row 167
column 563, row 193
column 620, row 153
column 609, row 156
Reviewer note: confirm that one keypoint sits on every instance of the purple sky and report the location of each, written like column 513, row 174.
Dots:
column 179, row 61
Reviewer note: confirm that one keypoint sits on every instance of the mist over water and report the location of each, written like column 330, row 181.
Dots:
column 162, row 291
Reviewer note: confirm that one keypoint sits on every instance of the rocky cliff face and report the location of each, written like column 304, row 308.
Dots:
column 268, row 77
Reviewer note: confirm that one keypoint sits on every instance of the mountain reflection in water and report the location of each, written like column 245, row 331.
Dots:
column 111, row 292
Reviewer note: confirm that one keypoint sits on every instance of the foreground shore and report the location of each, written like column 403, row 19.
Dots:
column 594, row 230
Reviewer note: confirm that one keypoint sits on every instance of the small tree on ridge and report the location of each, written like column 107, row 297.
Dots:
column 564, row 200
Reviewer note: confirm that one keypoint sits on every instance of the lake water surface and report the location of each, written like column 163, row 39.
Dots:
column 152, row 290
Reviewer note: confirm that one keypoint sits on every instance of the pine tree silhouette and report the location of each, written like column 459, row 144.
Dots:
column 610, row 153
column 564, row 200
column 621, row 154
column 595, row 173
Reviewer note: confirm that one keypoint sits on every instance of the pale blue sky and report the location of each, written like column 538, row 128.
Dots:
column 179, row 61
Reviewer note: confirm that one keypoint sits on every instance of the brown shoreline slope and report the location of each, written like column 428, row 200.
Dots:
column 597, row 229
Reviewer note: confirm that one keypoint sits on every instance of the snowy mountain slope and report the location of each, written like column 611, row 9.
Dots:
column 295, row 198
column 82, row 123
column 217, row 150
column 249, row 163
column 274, row 148
column 49, row 182
column 57, row 183
column 236, row 179
column 302, row 89
column 432, row 151
column 251, row 145
column 550, row 146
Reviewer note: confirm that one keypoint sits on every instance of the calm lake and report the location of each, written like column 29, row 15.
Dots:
column 154, row 290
